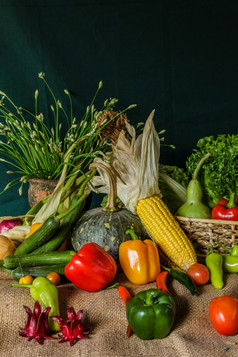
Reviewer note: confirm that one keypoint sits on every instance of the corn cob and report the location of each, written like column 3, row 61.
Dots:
column 166, row 232
column 135, row 161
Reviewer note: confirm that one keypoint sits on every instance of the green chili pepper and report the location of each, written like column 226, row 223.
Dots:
column 232, row 251
column 214, row 263
column 183, row 279
column 44, row 291
column 151, row 314
column 230, row 264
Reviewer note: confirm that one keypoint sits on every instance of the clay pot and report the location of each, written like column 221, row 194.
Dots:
column 39, row 189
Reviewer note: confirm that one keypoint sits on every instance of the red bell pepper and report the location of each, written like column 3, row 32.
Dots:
column 92, row 268
column 227, row 210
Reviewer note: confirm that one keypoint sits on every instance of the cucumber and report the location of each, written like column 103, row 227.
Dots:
column 65, row 228
column 51, row 258
column 39, row 237
column 38, row 271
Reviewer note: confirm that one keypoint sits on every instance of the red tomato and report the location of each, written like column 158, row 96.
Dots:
column 198, row 273
column 223, row 313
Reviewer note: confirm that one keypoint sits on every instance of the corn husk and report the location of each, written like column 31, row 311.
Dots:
column 135, row 162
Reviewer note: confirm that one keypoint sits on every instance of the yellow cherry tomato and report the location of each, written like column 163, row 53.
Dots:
column 27, row 279
column 54, row 278
column 34, row 227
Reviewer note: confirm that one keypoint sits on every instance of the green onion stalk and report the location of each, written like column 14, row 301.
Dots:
column 33, row 150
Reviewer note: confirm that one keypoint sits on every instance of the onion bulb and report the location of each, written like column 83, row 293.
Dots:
column 7, row 247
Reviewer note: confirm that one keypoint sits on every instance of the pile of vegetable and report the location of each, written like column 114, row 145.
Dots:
column 140, row 236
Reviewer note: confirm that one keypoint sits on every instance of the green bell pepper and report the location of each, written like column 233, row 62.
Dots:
column 151, row 314
column 44, row 291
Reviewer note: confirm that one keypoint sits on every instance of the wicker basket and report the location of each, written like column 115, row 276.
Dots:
column 204, row 232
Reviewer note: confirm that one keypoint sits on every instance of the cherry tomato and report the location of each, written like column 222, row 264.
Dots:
column 27, row 279
column 54, row 278
column 198, row 273
column 223, row 313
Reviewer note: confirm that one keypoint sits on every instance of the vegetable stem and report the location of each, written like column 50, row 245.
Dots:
column 111, row 205
column 82, row 187
column 132, row 233
column 231, row 203
column 200, row 165
column 22, row 285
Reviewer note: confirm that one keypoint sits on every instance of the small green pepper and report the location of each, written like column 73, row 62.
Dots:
column 44, row 291
column 183, row 279
column 230, row 264
column 234, row 250
column 151, row 314
column 214, row 263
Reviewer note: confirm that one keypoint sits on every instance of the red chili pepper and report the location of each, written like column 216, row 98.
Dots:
column 92, row 268
column 126, row 297
column 124, row 294
column 227, row 210
column 162, row 281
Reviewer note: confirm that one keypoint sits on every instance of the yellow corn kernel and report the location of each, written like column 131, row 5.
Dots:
column 166, row 231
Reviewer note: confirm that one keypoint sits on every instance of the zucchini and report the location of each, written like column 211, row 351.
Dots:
column 69, row 218
column 65, row 228
column 39, row 237
column 37, row 271
column 50, row 258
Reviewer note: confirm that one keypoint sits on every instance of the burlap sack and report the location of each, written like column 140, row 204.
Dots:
column 104, row 314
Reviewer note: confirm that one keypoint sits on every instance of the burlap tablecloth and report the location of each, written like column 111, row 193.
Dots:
column 104, row 313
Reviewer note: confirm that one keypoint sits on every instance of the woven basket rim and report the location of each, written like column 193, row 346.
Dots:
column 205, row 220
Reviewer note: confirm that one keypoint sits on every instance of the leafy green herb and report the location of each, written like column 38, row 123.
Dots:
column 219, row 174
column 34, row 150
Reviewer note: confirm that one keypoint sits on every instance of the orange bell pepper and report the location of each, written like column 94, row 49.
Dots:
column 139, row 260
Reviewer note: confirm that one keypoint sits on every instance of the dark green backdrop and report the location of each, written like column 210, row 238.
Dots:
column 179, row 57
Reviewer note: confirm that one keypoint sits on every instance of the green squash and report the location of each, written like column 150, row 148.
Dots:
column 107, row 225
column 108, row 229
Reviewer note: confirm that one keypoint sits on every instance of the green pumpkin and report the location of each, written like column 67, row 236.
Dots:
column 108, row 229
column 107, row 225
